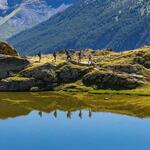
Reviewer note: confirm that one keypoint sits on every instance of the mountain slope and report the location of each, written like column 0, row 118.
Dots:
column 18, row 15
column 119, row 24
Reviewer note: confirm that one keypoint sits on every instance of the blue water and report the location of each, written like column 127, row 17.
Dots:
column 103, row 131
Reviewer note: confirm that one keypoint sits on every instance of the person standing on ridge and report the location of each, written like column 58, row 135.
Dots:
column 68, row 54
column 89, row 59
column 79, row 56
column 55, row 56
column 40, row 56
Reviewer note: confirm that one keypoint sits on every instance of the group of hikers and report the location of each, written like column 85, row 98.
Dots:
column 68, row 56
column 69, row 114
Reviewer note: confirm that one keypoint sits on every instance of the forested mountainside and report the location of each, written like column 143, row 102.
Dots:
column 19, row 15
column 119, row 24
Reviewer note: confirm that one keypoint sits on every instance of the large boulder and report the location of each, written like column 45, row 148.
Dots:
column 10, row 65
column 111, row 80
column 6, row 49
column 16, row 84
column 44, row 75
column 70, row 73
column 128, row 68
column 143, row 59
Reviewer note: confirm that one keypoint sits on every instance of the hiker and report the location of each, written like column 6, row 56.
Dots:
column 89, row 59
column 55, row 56
column 40, row 114
column 55, row 113
column 68, row 54
column 69, row 114
column 79, row 56
column 80, row 114
column 40, row 56
column 90, row 113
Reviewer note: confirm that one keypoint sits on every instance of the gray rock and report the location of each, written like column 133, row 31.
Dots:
column 45, row 75
column 143, row 59
column 16, row 85
column 110, row 80
column 34, row 89
column 127, row 68
column 6, row 49
column 71, row 73
column 10, row 65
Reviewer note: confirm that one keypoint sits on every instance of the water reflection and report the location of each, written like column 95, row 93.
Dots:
column 90, row 113
column 59, row 121
column 40, row 114
column 80, row 114
column 69, row 114
column 104, row 131
column 18, row 104
column 55, row 113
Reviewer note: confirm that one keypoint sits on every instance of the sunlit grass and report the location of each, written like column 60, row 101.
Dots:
column 23, row 103
column 142, row 91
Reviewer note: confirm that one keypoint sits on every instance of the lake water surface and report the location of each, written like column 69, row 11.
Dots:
column 69, row 128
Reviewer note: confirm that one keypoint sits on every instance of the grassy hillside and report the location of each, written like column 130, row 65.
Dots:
column 93, row 24
column 112, row 72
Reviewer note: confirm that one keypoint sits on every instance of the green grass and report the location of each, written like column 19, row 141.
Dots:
column 78, row 86
column 12, row 105
column 122, row 92
column 18, row 78
column 142, row 91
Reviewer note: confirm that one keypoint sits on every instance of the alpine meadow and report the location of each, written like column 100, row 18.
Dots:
column 75, row 74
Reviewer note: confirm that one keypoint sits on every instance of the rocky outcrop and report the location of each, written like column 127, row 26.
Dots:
column 48, row 76
column 10, row 65
column 111, row 80
column 71, row 73
column 44, row 76
column 16, row 84
column 116, row 71
column 6, row 49
column 143, row 59
column 127, row 68
column 45, row 72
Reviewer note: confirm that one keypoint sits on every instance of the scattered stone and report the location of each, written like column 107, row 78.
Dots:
column 106, row 98
column 34, row 89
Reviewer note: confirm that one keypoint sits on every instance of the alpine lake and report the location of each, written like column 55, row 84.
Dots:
column 74, row 121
